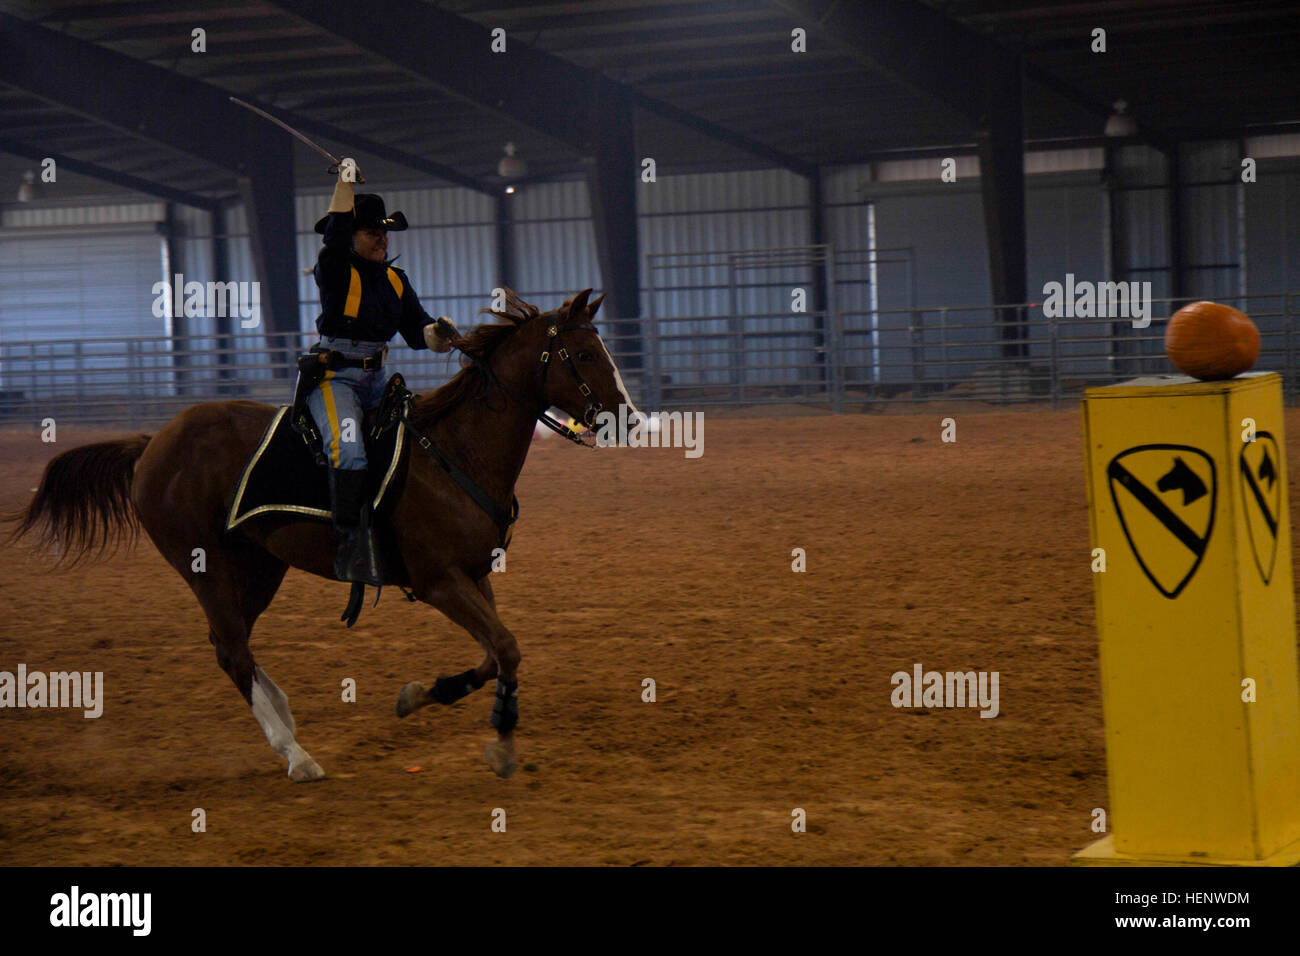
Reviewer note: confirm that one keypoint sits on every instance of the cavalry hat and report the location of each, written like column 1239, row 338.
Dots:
column 370, row 214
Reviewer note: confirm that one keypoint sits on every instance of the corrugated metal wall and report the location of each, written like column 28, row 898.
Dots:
column 1067, row 231
column 1141, row 209
column 928, row 239
column 1209, row 196
column 75, row 275
column 722, row 213
column 554, row 242
column 1211, row 178
column 13, row 216
column 932, row 261
column 1272, row 234
column 729, row 216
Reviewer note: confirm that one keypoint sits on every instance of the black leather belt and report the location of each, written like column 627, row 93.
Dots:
column 336, row 360
column 369, row 364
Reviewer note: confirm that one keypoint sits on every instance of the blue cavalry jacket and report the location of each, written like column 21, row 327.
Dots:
column 363, row 300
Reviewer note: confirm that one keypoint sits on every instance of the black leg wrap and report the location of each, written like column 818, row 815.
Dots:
column 505, row 709
column 448, row 690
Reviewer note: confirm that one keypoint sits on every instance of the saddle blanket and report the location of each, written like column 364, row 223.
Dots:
column 282, row 475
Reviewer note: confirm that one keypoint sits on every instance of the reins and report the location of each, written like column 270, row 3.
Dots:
column 502, row 517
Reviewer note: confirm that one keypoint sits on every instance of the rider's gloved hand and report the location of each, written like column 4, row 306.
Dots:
column 439, row 333
column 349, row 173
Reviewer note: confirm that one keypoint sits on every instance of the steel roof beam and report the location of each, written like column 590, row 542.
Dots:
column 525, row 85
column 104, row 174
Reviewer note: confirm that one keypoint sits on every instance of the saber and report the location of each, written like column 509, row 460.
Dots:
column 334, row 160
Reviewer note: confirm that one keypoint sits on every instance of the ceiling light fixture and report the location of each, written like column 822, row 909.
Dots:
column 512, row 166
column 30, row 188
column 1120, row 123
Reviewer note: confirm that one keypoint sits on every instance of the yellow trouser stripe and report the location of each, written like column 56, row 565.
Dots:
column 327, row 392
column 354, row 295
column 396, row 281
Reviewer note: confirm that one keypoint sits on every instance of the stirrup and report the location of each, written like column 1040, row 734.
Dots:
column 355, row 600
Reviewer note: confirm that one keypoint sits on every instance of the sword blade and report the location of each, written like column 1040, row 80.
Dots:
column 289, row 129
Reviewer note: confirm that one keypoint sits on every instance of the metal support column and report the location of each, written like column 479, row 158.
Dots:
column 612, row 174
column 1002, row 180
column 268, row 200
column 505, row 241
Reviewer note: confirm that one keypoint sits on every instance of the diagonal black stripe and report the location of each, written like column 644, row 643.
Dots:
column 1259, row 496
column 1158, row 508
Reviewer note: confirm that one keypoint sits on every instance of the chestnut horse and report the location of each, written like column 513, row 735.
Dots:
column 178, row 484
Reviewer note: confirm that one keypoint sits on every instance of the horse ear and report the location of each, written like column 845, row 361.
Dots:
column 579, row 302
column 594, row 307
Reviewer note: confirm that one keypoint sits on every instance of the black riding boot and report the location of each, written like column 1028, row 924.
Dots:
column 357, row 559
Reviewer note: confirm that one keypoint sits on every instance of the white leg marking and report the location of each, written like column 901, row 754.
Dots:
column 279, row 733
column 278, row 699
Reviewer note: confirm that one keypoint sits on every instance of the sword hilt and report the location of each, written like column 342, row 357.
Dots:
column 334, row 171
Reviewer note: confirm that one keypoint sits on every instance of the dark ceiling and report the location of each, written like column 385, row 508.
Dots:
column 1188, row 69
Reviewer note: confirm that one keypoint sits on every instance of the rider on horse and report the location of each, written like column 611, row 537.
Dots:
column 365, row 301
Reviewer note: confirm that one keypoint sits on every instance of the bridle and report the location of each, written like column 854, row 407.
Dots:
column 504, row 518
column 590, row 409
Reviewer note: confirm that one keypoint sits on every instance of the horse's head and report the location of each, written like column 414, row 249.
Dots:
column 578, row 373
column 540, row 359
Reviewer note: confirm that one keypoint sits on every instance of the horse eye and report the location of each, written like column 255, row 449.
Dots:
column 585, row 356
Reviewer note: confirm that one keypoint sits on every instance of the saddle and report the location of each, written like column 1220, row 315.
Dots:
column 288, row 472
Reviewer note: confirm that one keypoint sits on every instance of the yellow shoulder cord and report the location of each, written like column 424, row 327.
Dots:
column 353, row 303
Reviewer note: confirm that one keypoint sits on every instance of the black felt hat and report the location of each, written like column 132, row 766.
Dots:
column 370, row 214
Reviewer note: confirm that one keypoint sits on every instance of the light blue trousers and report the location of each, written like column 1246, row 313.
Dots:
column 340, row 401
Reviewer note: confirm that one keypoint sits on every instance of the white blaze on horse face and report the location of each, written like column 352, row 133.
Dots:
column 626, row 399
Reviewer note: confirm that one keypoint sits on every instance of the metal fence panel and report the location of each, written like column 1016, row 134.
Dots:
column 837, row 359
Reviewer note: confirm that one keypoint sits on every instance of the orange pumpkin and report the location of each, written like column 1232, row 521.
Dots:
column 1208, row 340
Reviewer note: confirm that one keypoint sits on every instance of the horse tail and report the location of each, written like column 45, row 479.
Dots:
column 83, row 504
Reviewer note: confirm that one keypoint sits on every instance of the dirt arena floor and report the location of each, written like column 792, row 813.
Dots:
column 773, row 687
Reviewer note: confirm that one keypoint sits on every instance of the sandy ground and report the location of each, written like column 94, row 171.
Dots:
column 773, row 687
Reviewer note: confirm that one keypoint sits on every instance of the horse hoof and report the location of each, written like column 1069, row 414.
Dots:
column 412, row 698
column 305, row 771
column 501, row 758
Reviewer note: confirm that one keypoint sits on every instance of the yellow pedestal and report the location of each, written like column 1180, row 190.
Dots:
column 1196, row 599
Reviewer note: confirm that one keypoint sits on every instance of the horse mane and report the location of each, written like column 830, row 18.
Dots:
column 479, row 344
